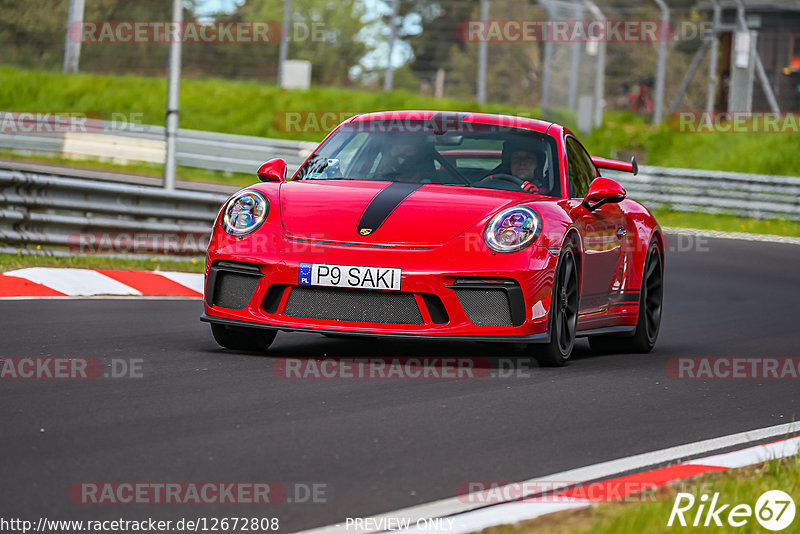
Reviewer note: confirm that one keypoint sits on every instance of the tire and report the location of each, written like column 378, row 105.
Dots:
column 648, row 322
column 563, row 311
column 243, row 338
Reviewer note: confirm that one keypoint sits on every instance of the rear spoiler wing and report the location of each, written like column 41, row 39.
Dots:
column 614, row 165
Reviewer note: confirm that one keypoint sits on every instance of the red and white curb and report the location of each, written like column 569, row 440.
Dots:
column 47, row 282
column 625, row 476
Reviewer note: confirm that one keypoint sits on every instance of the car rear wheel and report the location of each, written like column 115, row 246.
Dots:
column 242, row 338
column 563, row 312
column 648, row 322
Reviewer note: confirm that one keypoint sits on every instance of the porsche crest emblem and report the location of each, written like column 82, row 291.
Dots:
column 365, row 231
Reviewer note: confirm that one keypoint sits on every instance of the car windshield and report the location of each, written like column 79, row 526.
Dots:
column 484, row 156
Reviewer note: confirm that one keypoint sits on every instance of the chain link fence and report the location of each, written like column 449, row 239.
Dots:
column 434, row 51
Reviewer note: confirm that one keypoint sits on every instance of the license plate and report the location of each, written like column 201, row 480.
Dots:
column 351, row 276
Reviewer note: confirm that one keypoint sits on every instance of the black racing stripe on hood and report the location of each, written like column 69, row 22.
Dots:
column 383, row 205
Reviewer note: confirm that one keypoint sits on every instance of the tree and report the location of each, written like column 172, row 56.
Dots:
column 431, row 29
column 32, row 34
column 32, row 31
column 324, row 32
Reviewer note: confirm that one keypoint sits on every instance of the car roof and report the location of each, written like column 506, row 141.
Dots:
column 461, row 116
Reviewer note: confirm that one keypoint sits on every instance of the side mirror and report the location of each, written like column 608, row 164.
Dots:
column 603, row 191
column 273, row 171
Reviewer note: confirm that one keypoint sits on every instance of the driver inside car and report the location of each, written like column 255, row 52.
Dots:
column 524, row 165
column 521, row 165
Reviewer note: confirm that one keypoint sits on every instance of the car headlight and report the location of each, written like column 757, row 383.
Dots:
column 512, row 229
column 244, row 212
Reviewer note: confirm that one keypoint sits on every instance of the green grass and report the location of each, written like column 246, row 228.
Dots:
column 238, row 107
column 727, row 223
column 10, row 262
column 253, row 108
column 626, row 134
column 738, row 486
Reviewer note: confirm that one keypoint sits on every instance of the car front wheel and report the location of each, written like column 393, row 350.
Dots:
column 243, row 338
column 563, row 312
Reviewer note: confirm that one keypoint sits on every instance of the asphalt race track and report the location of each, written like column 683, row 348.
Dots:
column 200, row 413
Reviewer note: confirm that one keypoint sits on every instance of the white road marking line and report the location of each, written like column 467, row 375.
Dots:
column 753, row 455
column 499, row 515
column 461, row 505
column 515, row 511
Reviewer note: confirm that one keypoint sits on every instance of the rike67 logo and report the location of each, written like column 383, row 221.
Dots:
column 774, row 510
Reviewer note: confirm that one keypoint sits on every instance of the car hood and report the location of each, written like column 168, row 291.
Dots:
column 331, row 210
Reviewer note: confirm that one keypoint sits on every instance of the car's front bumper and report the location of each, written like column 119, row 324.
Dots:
column 531, row 338
column 446, row 292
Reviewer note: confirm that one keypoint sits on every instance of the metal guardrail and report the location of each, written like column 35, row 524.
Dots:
column 749, row 195
column 758, row 196
column 50, row 214
column 125, row 143
column 62, row 216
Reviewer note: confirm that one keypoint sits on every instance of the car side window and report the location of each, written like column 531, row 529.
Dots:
column 580, row 168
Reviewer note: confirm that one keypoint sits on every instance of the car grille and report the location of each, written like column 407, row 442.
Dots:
column 358, row 305
column 485, row 307
column 234, row 290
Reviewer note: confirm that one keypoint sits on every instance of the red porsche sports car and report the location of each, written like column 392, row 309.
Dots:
column 459, row 226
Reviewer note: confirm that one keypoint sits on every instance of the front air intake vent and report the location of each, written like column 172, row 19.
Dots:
column 357, row 305
column 232, row 284
column 485, row 307
column 491, row 301
column 234, row 290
